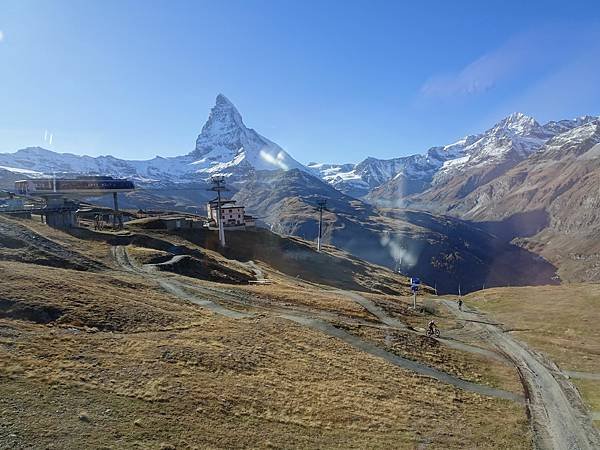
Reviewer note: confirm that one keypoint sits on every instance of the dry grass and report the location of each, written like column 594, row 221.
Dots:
column 96, row 250
column 590, row 390
column 211, row 384
column 562, row 321
column 145, row 255
column 108, row 301
column 477, row 369
column 127, row 366
column 559, row 320
column 427, row 309
column 302, row 295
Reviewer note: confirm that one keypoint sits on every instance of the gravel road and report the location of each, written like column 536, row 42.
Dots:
column 558, row 415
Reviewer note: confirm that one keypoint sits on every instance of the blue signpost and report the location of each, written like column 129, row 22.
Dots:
column 415, row 284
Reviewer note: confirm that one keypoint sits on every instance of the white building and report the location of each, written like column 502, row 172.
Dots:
column 231, row 215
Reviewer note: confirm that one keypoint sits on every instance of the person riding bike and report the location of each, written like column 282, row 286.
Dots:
column 431, row 327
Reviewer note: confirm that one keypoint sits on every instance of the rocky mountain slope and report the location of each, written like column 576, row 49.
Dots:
column 357, row 180
column 445, row 252
column 556, row 193
column 463, row 165
column 507, row 144
column 485, row 178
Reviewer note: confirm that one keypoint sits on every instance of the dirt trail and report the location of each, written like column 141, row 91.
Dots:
column 558, row 415
column 582, row 375
column 399, row 361
column 378, row 312
column 174, row 287
column 14, row 234
column 308, row 319
column 392, row 322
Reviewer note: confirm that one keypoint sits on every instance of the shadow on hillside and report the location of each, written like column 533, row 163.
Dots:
column 289, row 255
column 298, row 258
column 524, row 224
column 447, row 253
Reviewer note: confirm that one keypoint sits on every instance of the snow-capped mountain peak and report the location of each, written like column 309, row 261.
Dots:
column 224, row 125
column 512, row 139
column 517, row 123
column 561, row 126
column 225, row 146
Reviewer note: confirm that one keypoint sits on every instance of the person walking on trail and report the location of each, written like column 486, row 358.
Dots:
column 460, row 303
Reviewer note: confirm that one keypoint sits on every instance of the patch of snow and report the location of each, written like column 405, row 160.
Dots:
column 455, row 162
column 31, row 173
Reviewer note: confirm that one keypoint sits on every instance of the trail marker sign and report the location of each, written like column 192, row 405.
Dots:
column 415, row 284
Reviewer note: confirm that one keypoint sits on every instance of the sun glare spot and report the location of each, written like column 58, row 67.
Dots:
column 274, row 160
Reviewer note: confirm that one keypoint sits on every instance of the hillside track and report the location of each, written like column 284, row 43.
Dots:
column 173, row 287
column 314, row 320
column 396, row 324
column 401, row 362
column 13, row 234
column 558, row 415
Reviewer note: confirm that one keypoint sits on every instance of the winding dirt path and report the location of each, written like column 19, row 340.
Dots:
column 185, row 291
column 582, row 375
column 174, row 287
column 392, row 322
column 558, row 415
column 399, row 361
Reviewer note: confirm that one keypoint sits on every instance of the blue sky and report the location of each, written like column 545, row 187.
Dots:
column 332, row 81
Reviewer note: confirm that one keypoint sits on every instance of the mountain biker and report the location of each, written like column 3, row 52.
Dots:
column 431, row 327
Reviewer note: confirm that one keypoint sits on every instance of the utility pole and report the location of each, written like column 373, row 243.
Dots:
column 321, row 206
column 218, row 186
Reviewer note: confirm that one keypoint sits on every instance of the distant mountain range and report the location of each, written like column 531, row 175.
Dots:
column 390, row 180
column 535, row 185
column 446, row 252
column 226, row 146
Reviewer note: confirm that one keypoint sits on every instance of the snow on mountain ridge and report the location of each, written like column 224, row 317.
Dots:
column 225, row 146
column 513, row 138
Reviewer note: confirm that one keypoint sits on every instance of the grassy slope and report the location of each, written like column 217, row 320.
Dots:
column 561, row 321
column 174, row 374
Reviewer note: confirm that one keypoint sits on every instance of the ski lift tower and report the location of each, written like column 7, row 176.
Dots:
column 321, row 203
column 219, row 186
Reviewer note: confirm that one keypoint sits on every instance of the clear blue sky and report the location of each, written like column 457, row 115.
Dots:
column 327, row 80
